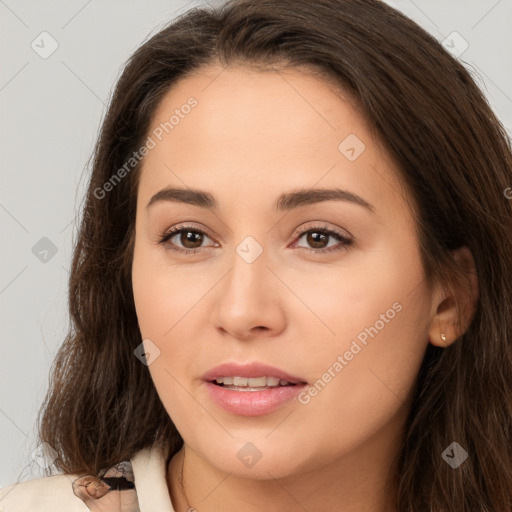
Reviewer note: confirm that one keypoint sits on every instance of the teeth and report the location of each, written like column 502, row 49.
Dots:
column 253, row 382
column 256, row 382
column 240, row 381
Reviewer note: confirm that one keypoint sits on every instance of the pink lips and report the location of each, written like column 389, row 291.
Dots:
column 251, row 403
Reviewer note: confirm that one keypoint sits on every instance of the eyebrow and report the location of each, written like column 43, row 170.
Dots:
column 285, row 202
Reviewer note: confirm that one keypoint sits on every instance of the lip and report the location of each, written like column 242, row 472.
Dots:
column 251, row 403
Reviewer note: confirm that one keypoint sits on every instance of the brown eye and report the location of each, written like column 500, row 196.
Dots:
column 184, row 239
column 317, row 240
column 189, row 239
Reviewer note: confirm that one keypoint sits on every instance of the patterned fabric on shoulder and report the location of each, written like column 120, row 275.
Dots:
column 112, row 491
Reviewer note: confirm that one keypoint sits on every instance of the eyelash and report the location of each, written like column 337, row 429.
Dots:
column 345, row 241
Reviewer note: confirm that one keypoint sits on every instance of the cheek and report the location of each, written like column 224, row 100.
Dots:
column 168, row 303
column 375, row 324
column 365, row 382
column 160, row 291
column 374, row 295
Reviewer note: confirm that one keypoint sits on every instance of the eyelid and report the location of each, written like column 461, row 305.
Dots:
column 323, row 226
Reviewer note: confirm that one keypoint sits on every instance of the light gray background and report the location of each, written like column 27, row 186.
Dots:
column 51, row 110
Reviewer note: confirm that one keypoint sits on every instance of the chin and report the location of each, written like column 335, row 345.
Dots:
column 259, row 459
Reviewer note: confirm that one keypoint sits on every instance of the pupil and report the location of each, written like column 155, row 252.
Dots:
column 314, row 237
column 191, row 237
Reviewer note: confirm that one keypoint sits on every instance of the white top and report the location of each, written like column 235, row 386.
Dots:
column 138, row 485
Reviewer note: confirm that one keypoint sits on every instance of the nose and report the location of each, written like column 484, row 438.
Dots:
column 248, row 302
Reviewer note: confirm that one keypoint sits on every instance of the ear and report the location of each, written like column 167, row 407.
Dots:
column 454, row 306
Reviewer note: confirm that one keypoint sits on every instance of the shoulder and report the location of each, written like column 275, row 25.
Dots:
column 52, row 493
column 113, row 490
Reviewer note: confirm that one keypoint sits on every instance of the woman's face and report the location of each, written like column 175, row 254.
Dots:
column 267, row 280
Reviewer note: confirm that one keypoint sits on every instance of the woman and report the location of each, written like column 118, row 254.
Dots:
column 291, row 288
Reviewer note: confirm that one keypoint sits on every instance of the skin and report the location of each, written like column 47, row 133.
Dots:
column 252, row 136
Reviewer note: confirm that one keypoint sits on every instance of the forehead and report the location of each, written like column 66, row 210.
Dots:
column 252, row 130
column 253, row 106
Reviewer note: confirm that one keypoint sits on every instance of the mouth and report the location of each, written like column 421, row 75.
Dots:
column 251, row 390
column 238, row 383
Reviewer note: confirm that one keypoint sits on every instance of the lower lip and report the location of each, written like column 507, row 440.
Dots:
column 253, row 403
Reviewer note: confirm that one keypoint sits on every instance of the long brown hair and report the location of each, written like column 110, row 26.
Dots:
column 455, row 160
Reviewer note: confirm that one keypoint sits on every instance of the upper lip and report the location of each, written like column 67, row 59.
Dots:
column 254, row 369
